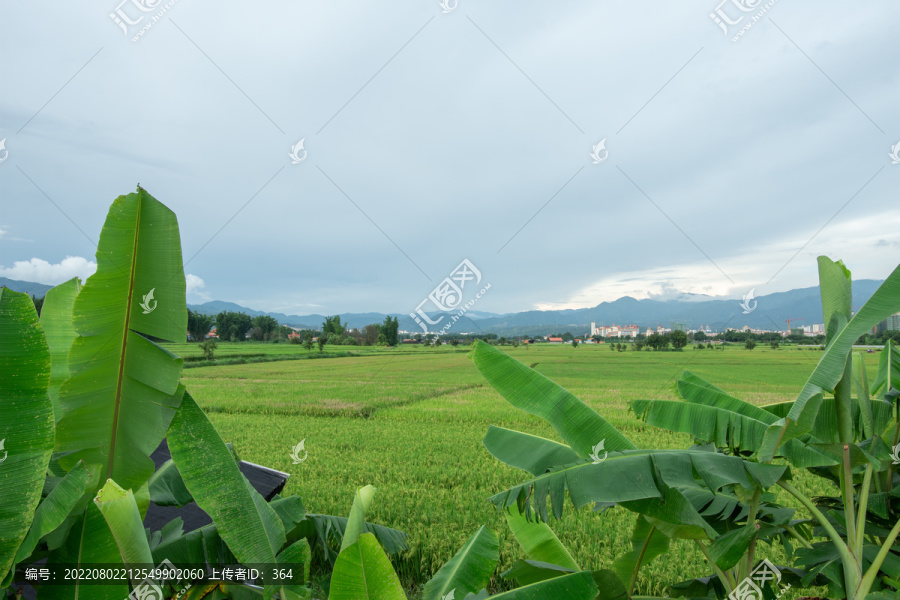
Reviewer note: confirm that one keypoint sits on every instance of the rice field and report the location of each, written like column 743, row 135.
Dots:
column 410, row 422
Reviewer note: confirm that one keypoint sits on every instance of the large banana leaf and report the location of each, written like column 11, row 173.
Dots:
column 56, row 318
column 529, row 452
column 363, row 572
column 638, row 475
column 250, row 527
column 469, row 570
column 725, row 429
column 26, row 420
column 577, row 423
column 800, row 419
column 888, row 375
column 324, row 530
column 123, row 389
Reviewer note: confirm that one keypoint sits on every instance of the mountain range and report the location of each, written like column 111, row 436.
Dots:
column 802, row 306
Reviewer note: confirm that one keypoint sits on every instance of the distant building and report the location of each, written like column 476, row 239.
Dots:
column 676, row 326
column 892, row 323
column 614, row 330
column 555, row 340
column 293, row 335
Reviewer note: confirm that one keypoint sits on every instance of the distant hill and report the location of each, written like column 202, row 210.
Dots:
column 33, row 289
column 802, row 306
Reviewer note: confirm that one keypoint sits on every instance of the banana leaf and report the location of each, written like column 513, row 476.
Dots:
column 726, row 429
column 123, row 388
column 888, row 375
column 469, row 570
column 540, row 544
column 647, row 543
column 26, row 420
column 123, row 518
column 637, row 475
column 363, row 572
column 529, row 452
column 577, row 424
column 575, row 586
column 56, row 318
column 830, row 369
column 250, row 527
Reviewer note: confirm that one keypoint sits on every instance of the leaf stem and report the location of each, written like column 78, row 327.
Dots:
column 869, row 578
column 726, row 579
column 863, row 507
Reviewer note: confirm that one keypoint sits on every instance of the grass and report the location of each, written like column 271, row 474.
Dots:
column 410, row 422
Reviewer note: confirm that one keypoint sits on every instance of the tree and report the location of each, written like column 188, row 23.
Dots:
column 209, row 348
column 700, row 336
column 454, row 342
column 321, row 341
column 437, row 341
column 332, row 325
column 308, row 341
column 658, row 341
column 567, row 337
column 749, row 344
column 502, row 341
column 370, row 335
column 574, row 343
column 264, row 327
column 389, row 328
column 774, row 345
column 233, row 326
column 38, row 304
column 679, row 339
column 198, row 325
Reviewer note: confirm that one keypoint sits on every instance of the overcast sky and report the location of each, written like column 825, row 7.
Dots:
column 431, row 137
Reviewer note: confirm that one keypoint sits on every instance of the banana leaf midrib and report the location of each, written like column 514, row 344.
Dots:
column 125, row 331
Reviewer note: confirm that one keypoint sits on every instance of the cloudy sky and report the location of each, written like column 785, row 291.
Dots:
column 729, row 162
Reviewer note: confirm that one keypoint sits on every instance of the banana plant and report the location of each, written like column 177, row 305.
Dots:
column 839, row 428
column 677, row 493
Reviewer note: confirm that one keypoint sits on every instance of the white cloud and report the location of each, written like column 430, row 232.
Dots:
column 195, row 286
column 2, row 233
column 40, row 271
column 194, row 283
